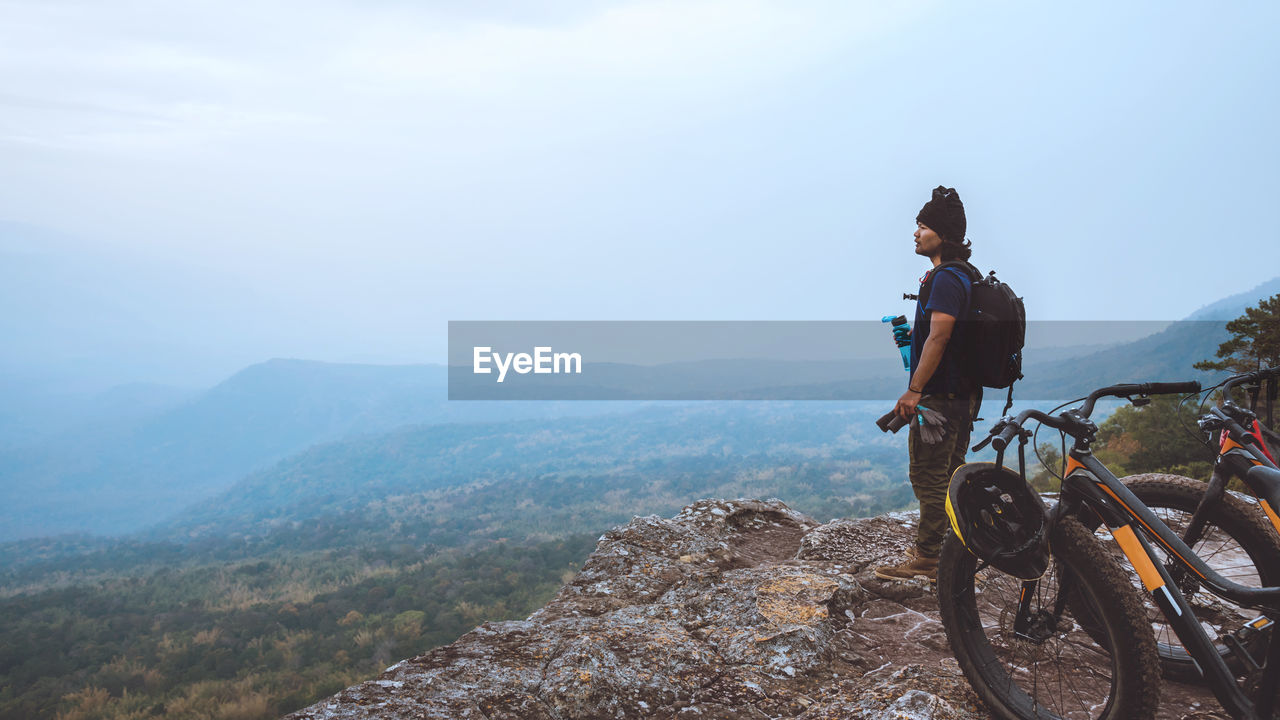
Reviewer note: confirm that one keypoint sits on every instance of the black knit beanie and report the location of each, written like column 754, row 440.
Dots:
column 944, row 214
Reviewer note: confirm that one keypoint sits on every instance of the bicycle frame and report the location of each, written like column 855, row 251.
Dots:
column 1094, row 494
column 1088, row 483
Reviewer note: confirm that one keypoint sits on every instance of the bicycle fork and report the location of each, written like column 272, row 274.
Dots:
column 1216, row 488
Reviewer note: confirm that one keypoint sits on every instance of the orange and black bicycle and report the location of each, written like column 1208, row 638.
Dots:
column 1237, row 536
column 1043, row 620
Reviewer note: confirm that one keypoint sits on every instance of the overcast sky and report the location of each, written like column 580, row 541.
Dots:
column 187, row 188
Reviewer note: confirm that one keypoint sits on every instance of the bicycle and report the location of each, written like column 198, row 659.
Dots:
column 1073, row 641
column 1229, row 533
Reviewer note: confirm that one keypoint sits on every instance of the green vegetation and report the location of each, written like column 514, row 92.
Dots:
column 1154, row 438
column 335, row 564
column 1254, row 342
column 1045, row 475
column 1160, row 436
column 257, row 639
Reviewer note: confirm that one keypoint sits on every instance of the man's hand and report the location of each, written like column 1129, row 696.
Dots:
column 906, row 407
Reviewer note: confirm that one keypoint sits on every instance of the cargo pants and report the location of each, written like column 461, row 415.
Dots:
column 932, row 465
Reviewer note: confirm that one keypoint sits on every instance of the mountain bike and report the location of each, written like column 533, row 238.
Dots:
column 1238, row 539
column 1075, row 642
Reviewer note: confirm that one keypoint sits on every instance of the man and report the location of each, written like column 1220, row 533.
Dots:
column 937, row 382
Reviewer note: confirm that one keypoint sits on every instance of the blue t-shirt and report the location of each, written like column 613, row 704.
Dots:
column 950, row 295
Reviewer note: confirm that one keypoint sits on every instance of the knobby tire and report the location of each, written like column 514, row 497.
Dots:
column 1070, row 674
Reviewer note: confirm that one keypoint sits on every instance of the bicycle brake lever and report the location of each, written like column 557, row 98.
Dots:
column 1209, row 423
column 1237, row 413
column 995, row 432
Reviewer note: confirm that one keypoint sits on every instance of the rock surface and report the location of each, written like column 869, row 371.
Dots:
column 731, row 609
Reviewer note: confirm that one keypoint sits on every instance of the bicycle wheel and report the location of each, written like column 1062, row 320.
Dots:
column 1056, row 669
column 1237, row 542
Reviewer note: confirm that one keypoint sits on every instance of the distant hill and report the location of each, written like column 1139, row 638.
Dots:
column 32, row 410
column 127, row 467
column 1233, row 307
column 146, row 452
column 1063, row 359
column 659, row 457
column 1166, row 356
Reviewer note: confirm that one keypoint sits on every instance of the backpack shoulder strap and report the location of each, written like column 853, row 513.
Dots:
column 973, row 274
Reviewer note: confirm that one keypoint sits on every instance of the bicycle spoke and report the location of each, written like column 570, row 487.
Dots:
column 1054, row 669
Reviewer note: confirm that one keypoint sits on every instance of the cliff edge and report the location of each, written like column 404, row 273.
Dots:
column 731, row 609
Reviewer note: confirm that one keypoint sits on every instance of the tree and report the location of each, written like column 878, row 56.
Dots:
column 1047, row 478
column 1255, row 340
column 1153, row 438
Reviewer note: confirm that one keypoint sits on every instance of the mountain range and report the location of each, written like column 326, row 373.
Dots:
column 157, row 453
column 141, row 454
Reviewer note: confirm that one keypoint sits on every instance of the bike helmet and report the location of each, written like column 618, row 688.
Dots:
column 999, row 518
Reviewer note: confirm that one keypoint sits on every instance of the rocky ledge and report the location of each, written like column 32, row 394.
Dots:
column 731, row 609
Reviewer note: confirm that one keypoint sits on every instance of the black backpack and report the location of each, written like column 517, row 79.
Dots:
column 990, row 354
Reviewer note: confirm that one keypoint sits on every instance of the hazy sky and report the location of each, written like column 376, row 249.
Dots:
column 186, row 188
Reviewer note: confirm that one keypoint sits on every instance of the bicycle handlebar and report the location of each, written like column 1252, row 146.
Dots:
column 1001, row 441
column 1172, row 388
column 1077, row 420
column 1009, row 427
column 1255, row 376
column 1129, row 389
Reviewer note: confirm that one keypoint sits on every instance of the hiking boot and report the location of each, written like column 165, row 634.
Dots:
column 915, row 566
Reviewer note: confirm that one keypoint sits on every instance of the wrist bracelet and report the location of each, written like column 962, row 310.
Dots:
column 918, row 392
